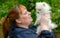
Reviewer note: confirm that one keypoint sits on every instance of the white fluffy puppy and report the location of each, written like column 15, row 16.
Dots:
column 43, row 9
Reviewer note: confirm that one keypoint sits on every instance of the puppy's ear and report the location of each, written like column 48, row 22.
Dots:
column 43, row 4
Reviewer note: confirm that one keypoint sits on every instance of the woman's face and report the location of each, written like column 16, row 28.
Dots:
column 25, row 17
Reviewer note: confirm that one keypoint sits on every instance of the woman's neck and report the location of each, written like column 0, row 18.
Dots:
column 21, row 25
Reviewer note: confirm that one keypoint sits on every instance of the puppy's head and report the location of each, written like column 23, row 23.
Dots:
column 42, row 6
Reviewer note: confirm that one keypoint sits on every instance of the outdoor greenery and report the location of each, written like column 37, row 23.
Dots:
column 5, row 5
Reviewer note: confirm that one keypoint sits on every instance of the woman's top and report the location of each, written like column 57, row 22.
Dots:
column 20, row 32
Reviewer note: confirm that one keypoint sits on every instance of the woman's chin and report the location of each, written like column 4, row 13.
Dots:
column 31, row 19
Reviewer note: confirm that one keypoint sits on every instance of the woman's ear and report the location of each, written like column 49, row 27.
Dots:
column 18, row 21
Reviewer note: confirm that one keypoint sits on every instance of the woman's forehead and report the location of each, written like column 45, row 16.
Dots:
column 23, row 9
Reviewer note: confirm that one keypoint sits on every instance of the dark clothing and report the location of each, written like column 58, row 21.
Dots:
column 46, row 34
column 19, row 32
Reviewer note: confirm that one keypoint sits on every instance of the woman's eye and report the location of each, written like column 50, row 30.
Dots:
column 25, row 13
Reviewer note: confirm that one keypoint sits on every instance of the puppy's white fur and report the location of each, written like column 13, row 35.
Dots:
column 44, row 8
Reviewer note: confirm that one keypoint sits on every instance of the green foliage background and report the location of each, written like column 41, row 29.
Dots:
column 5, row 5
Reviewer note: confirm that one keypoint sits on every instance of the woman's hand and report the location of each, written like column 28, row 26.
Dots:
column 44, row 19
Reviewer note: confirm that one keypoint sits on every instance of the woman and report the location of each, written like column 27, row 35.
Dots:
column 19, row 25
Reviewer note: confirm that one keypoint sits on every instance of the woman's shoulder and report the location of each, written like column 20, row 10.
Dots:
column 25, row 33
column 31, row 28
column 20, row 29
